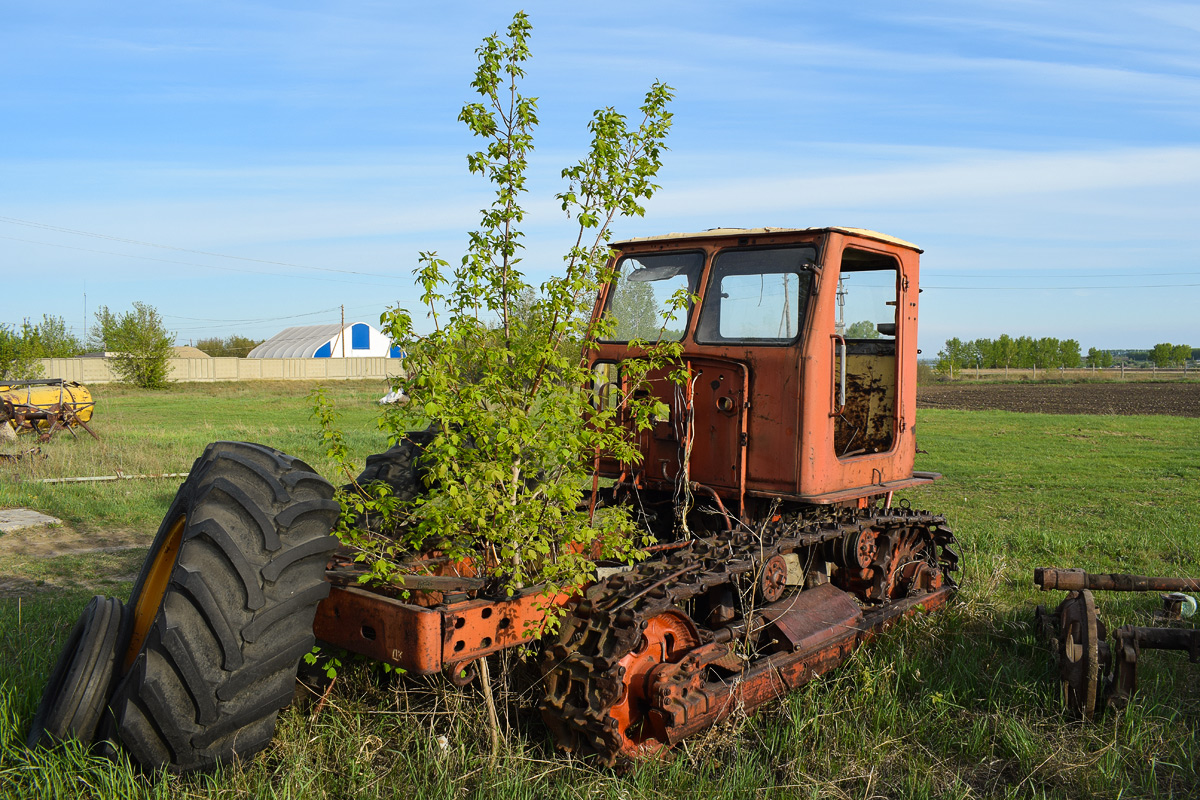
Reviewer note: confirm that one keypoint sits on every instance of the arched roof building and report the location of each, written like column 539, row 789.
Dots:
column 326, row 341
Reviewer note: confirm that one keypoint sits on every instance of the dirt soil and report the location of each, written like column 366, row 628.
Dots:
column 1171, row 399
column 54, row 541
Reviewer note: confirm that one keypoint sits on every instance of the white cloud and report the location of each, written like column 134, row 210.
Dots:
column 992, row 175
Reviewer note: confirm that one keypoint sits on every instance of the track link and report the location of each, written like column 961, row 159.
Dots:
column 583, row 669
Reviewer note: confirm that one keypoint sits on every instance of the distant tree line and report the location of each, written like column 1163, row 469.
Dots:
column 229, row 347
column 1166, row 354
column 1021, row 352
column 137, row 343
column 1026, row 352
column 20, row 348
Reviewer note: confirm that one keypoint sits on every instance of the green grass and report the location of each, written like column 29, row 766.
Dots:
column 154, row 433
column 1110, row 493
column 960, row 704
column 145, row 432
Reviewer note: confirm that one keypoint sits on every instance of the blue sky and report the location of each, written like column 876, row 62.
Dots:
column 248, row 166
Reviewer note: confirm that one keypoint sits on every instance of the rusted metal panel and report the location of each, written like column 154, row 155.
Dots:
column 842, row 496
column 421, row 639
column 814, row 616
column 719, row 397
column 706, row 703
column 477, row 627
column 381, row 628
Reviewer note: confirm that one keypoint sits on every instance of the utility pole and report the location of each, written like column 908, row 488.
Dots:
column 343, row 333
column 840, row 327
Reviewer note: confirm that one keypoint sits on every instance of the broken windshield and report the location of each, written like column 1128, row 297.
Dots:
column 649, row 298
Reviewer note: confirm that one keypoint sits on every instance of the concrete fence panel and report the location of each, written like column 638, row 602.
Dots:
column 188, row 370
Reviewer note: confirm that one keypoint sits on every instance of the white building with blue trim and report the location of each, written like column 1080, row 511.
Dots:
column 355, row 340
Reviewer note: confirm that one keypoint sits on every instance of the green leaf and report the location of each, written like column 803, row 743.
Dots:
column 499, row 375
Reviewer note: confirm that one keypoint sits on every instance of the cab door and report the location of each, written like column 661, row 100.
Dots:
column 718, row 389
column 753, row 314
column 860, row 373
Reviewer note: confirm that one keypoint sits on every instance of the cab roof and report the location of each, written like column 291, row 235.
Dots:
column 739, row 232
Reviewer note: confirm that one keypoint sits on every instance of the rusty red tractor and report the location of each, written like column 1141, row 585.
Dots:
column 768, row 487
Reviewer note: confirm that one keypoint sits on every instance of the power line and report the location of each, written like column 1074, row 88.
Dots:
column 58, row 229
column 191, row 263
column 219, row 324
column 260, row 319
column 964, row 275
column 1061, row 288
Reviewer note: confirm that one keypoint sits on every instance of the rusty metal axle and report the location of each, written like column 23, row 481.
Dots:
column 1075, row 580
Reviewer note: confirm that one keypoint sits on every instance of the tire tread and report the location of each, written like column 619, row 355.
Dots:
column 237, row 613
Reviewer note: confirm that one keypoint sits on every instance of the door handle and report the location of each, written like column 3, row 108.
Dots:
column 839, row 341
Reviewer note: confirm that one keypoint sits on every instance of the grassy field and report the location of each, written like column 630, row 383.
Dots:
column 959, row 704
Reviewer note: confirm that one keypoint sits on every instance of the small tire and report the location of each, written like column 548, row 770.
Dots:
column 77, row 693
column 222, row 611
column 400, row 466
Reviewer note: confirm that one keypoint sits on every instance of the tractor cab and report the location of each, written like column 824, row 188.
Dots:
column 800, row 355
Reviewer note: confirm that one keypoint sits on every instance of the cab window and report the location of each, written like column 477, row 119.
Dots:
column 757, row 296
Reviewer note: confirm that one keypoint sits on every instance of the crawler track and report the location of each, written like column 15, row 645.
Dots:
column 606, row 696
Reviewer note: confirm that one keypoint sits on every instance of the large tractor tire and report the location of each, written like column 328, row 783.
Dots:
column 222, row 611
column 77, row 692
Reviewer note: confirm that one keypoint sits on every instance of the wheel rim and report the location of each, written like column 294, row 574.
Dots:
column 666, row 639
column 149, row 599
column 1081, row 662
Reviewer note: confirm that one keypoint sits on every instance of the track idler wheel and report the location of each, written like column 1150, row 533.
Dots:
column 893, row 561
column 666, row 639
column 772, row 579
column 913, row 566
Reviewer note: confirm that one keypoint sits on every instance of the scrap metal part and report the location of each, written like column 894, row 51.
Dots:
column 1082, row 654
column 1092, row 672
column 1130, row 641
column 8, row 458
column 46, row 406
column 1073, row 580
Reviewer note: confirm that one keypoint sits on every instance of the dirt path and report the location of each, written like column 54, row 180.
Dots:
column 1173, row 399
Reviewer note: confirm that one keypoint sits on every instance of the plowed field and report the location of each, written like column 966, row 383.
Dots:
column 1173, row 399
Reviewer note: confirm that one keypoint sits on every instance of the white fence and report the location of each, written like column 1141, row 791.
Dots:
column 97, row 370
